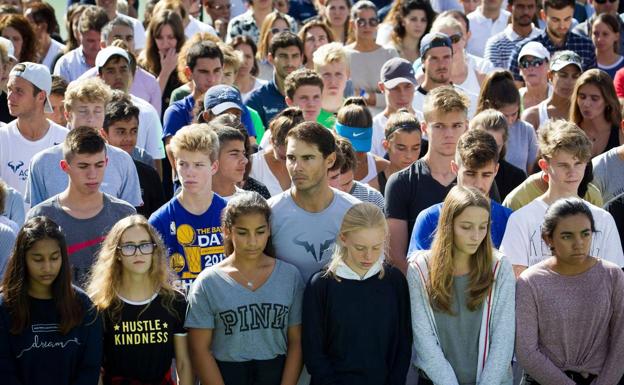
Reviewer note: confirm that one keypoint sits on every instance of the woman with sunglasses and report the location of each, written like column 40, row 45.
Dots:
column 366, row 56
column 143, row 315
column 273, row 24
column 605, row 31
column 533, row 62
column 49, row 332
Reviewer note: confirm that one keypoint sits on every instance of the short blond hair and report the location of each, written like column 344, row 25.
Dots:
column 444, row 100
column 198, row 137
column 562, row 135
column 328, row 54
column 91, row 90
column 444, row 22
column 231, row 57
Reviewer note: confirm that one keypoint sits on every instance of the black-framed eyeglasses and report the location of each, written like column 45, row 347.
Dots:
column 275, row 31
column 372, row 22
column 526, row 63
column 456, row 37
column 130, row 249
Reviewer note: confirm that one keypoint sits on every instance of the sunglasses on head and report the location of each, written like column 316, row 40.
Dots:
column 372, row 22
column 525, row 63
column 456, row 37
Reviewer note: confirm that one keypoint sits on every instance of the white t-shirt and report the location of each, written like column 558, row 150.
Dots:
column 17, row 151
column 261, row 172
column 482, row 28
column 56, row 49
column 150, row 129
column 195, row 26
column 138, row 29
column 379, row 126
column 524, row 246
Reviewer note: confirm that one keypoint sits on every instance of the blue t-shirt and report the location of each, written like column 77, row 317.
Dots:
column 193, row 242
column 427, row 223
column 267, row 101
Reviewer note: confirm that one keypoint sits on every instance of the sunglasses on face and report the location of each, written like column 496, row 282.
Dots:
column 604, row 1
column 275, row 31
column 456, row 37
column 372, row 22
column 531, row 63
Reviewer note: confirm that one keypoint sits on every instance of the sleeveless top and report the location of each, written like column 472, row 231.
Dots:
column 372, row 169
column 543, row 113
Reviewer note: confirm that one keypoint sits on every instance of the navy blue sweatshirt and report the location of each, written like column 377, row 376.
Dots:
column 357, row 332
column 41, row 355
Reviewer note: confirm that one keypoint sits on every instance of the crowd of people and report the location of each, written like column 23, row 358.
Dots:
column 263, row 192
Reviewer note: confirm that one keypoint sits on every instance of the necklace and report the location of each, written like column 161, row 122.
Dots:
column 249, row 282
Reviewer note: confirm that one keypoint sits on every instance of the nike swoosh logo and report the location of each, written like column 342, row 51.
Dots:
column 355, row 134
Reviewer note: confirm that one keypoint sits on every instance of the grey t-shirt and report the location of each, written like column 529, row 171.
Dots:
column 247, row 325
column 46, row 178
column 306, row 239
column 83, row 236
column 608, row 171
column 459, row 333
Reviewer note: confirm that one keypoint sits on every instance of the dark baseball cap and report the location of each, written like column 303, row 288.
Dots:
column 433, row 40
column 221, row 98
column 396, row 71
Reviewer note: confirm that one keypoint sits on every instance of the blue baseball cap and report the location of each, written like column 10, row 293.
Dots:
column 433, row 40
column 221, row 98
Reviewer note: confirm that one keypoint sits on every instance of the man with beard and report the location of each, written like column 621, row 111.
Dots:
column 558, row 37
column 436, row 51
column 499, row 47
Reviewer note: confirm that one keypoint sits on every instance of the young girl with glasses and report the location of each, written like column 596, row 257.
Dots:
column 244, row 314
column 49, row 332
column 143, row 315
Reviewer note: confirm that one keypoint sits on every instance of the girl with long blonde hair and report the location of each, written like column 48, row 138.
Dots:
column 244, row 314
column 143, row 314
column 462, row 295
column 356, row 321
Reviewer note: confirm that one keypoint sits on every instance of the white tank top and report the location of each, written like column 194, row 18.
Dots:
column 543, row 113
column 372, row 169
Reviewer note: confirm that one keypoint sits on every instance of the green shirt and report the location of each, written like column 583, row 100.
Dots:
column 257, row 123
column 180, row 93
column 327, row 119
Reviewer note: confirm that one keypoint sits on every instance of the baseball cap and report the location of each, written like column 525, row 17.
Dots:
column 8, row 44
column 106, row 53
column 561, row 59
column 221, row 98
column 396, row 71
column 534, row 48
column 39, row 76
column 433, row 40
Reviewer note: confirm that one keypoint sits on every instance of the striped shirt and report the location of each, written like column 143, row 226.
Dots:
column 499, row 47
column 367, row 194
column 582, row 45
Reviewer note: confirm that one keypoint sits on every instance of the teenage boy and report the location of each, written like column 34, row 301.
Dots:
column 306, row 218
column 304, row 88
column 116, row 68
column 232, row 161
column 29, row 89
column 190, row 223
column 499, row 47
column 342, row 175
column 488, row 19
column 56, row 98
column 557, row 36
column 397, row 84
column 436, row 51
column 332, row 64
column 428, row 180
column 204, row 67
column 565, row 150
column 285, row 55
column 85, row 105
column 78, row 61
column 120, row 129
column 83, row 212
column 476, row 165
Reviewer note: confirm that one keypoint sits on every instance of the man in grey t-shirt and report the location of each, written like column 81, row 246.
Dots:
column 306, row 218
column 83, row 212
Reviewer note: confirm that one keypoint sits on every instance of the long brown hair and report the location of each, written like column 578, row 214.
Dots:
column 265, row 31
column 16, row 279
column 29, row 41
column 150, row 59
column 245, row 203
column 107, row 272
column 440, row 284
column 603, row 81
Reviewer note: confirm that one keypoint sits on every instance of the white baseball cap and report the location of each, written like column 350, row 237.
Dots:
column 106, row 53
column 534, row 48
column 8, row 44
column 39, row 76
